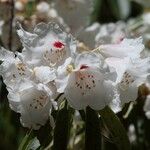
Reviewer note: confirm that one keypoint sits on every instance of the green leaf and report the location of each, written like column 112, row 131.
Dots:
column 120, row 8
column 116, row 128
column 30, row 8
column 96, row 10
column 33, row 144
column 82, row 114
column 1, row 62
column 92, row 133
column 62, row 128
column 26, row 140
column 44, row 135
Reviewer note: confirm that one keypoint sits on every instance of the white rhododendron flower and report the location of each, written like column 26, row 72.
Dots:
column 130, row 75
column 49, row 65
column 46, row 12
column 82, row 82
column 147, row 107
column 127, row 48
column 12, row 68
column 74, row 12
column 88, row 35
column 111, row 33
column 44, row 74
column 32, row 101
column 48, row 45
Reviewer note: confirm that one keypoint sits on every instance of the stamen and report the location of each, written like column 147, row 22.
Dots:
column 54, row 55
column 69, row 68
column 21, row 69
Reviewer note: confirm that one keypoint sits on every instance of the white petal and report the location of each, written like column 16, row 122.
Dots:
column 44, row 74
column 73, row 94
column 127, row 48
column 25, row 37
column 62, row 76
column 48, row 45
column 88, row 88
column 140, row 67
column 6, row 55
column 32, row 102
column 88, row 59
column 103, row 95
column 14, row 101
column 118, row 65
column 87, row 36
column 128, row 94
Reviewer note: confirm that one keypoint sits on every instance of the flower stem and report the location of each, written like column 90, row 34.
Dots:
column 92, row 131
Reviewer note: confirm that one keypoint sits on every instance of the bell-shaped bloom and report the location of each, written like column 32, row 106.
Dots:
column 111, row 33
column 82, row 82
column 88, row 35
column 32, row 101
column 48, row 45
column 97, row 34
column 46, row 12
column 130, row 75
column 12, row 68
column 127, row 48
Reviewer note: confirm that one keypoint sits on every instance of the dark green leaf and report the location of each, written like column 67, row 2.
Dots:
column 116, row 128
column 26, row 140
column 44, row 135
column 62, row 128
column 92, row 133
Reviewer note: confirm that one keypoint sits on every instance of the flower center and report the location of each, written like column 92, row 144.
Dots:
column 69, row 68
column 85, row 82
column 54, row 56
column 21, row 69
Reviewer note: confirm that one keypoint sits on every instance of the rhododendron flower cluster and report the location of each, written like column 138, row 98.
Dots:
column 50, row 64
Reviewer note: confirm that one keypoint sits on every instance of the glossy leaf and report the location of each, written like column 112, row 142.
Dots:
column 116, row 128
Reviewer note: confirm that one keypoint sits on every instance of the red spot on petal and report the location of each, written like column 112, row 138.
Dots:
column 58, row 44
column 84, row 67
